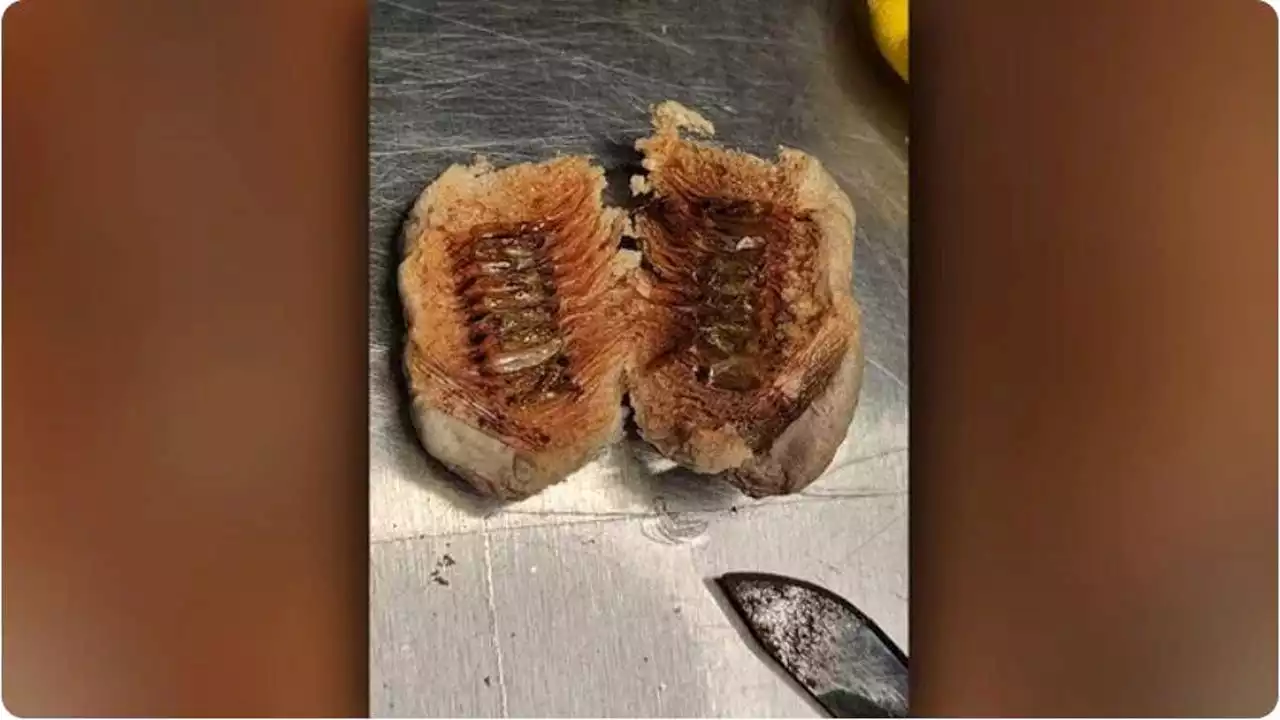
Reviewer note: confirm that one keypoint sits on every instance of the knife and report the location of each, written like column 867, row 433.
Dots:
column 838, row 654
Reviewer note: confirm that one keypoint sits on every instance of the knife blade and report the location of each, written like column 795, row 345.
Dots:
column 838, row 654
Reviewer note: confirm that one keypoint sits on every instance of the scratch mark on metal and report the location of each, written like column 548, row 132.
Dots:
column 496, row 637
column 452, row 147
column 664, row 41
column 837, row 495
column 856, row 461
column 533, row 44
column 876, row 364
column 881, row 531
column 564, row 518
column 673, row 528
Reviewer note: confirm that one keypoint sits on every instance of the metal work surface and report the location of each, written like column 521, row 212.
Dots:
column 593, row 598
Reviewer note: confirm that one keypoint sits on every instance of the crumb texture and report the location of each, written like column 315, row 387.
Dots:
column 749, row 334
column 512, row 297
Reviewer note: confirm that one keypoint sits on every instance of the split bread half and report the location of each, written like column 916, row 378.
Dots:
column 750, row 358
column 513, row 297
column 736, row 337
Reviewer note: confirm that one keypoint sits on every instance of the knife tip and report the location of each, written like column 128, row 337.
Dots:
column 739, row 578
column 729, row 581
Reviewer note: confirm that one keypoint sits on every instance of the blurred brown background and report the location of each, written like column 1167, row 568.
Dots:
column 1094, row 357
column 185, row 499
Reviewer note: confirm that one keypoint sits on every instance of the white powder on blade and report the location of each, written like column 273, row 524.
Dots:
column 820, row 642
column 795, row 625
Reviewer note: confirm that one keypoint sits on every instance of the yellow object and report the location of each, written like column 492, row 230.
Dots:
column 889, row 22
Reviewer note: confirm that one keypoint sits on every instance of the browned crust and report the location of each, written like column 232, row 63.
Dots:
column 782, row 438
column 504, row 450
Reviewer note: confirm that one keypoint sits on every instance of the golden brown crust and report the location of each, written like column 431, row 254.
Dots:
column 467, row 415
column 780, row 437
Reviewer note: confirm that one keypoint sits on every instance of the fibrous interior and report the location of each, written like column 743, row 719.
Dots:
column 740, row 296
column 507, row 291
column 524, row 340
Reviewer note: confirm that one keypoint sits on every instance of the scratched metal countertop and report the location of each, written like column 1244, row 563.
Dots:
column 592, row 599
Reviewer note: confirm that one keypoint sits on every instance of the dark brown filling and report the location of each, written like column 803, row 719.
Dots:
column 732, row 305
column 739, row 280
column 507, row 290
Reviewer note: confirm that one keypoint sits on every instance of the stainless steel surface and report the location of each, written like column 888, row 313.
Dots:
column 592, row 598
column 833, row 650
